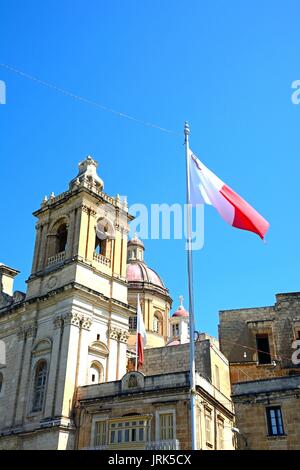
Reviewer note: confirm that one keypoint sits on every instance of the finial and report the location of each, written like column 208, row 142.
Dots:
column 181, row 301
column 52, row 196
column 186, row 128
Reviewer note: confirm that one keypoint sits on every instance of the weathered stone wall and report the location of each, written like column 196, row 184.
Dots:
column 156, row 393
column 238, row 329
column 209, row 361
column 251, row 400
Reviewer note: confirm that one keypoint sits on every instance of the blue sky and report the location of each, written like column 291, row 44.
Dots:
column 225, row 66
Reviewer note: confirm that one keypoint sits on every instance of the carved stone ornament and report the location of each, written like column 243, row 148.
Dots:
column 72, row 318
column 86, row 323
column 21, row 333
column 58, row 321
column 114, row 333
column 31, row 329
column 133, row 380
column 123, row 336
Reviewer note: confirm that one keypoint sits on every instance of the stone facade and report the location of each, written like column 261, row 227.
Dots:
column 210, row 362
column 239, row 329
column 147, row 403
column 71, row 327
column 262, row 346
column 253, row 401
column 65, row 343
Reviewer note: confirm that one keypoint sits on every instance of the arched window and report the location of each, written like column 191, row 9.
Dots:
column 61, row 238
column 96, row 373
column 175, row 329
column 157, row 324
column 39, row 390
column 100, row 246
column 1, row 382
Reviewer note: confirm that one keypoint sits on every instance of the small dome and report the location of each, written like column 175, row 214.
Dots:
column 135, row 241
column 140, row 272
column 181, row 312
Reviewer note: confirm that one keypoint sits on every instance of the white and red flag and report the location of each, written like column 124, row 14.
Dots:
column 207, row 188
column 141, row 337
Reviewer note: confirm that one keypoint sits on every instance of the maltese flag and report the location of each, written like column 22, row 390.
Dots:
column 141, row 338
column 207, row 188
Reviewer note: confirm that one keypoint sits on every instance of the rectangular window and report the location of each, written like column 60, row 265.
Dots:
column 263, row 349
column 100, row 433
column 175, row 330
column 274, row 418
column 166, row 426
column 220, row 433
column 129, row 431
column 208, row 429
column 132, row 323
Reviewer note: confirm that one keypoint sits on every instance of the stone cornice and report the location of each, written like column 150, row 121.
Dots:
column 73, row 285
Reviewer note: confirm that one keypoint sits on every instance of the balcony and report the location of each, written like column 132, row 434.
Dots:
column 170, row 444
column 58, row 258
column 101, row 259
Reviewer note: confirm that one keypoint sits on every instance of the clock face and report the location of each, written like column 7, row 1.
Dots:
column 52, row 282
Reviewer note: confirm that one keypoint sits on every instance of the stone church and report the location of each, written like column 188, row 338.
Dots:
column 75, row 325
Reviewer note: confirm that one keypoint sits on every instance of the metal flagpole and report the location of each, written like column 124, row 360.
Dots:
column 137, row 323
column 191, row 295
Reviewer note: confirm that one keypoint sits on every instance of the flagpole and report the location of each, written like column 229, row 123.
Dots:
column 136, row 347
column 190, row 289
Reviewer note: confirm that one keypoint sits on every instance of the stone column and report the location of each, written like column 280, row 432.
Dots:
column 113, row 354
column 122, row 359
column 54, row 367
column 77, row 221
column 91, row 234
column 67, row 367
column 24, row 400
column 83, row 234
column 12, row 387
column 83, row 366
column 37, row 247
column 71, row 234
column 42, row 261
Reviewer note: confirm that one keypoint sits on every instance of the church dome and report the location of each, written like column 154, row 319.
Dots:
column 181, row 312
column 135, row 241
column 137, row 269
column 140, row 272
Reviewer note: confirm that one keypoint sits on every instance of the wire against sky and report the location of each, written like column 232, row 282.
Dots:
column 88, row 101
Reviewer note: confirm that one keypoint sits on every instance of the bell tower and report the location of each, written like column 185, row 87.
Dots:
column 81, row 238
